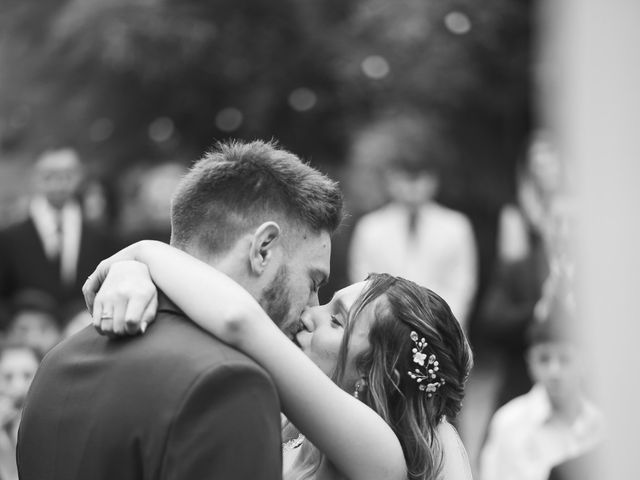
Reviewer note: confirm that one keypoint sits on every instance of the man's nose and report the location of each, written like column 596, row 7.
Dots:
column 307, row 320
column 313, row 300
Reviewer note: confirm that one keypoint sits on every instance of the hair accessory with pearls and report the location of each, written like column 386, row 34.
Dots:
column 426, row 375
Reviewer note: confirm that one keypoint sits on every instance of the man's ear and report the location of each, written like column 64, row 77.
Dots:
column 265, row 239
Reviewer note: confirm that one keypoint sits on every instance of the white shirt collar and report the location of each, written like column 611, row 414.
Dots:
column 67, row 246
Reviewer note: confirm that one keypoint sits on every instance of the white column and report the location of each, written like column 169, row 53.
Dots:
column 591, row 53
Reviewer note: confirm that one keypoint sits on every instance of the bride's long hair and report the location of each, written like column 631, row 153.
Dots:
column 404, row 307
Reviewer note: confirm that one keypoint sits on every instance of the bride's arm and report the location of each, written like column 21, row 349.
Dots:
column 355, row 439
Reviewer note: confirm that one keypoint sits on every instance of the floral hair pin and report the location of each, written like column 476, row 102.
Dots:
column 426, row 374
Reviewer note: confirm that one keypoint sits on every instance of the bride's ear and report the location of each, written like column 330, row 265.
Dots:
column 265, row 240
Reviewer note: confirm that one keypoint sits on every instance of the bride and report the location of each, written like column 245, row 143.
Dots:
column 370, row 381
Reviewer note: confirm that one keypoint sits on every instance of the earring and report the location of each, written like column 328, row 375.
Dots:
column 359, row 384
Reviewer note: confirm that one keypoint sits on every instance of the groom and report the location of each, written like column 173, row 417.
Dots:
column 176, row 403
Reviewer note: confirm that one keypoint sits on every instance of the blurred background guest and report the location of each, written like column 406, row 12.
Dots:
column 414, row 236
column 35, row 321
column 524, row 250
column 145, row 196
column 555, row 422
column 316, row 76
column 18, row 365
column 54, row 248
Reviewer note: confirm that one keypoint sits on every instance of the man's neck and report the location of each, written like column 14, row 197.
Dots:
column 231, row 263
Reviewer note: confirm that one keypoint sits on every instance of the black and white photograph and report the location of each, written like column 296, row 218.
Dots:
column 302, row 240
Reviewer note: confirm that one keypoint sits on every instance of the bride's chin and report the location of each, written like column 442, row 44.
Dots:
column 301, row 342
column 294, row 339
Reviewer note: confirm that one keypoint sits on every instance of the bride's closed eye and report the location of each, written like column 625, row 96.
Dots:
column 335, row 322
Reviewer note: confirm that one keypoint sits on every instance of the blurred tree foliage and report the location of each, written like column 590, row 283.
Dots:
column 133, row 80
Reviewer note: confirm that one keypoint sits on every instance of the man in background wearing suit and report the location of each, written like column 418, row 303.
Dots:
column 54, row 249
column 178, row 404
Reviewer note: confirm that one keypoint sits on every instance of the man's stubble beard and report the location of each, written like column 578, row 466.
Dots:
column 275, row 299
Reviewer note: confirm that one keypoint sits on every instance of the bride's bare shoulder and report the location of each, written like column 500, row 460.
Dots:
column 455, row 460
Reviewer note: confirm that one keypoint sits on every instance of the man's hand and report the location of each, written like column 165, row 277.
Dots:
column 126, row 300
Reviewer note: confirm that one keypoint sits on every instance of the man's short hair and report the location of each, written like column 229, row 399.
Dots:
column 237, row 186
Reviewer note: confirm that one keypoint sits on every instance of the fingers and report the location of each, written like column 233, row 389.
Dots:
column 149, row 314
column 121, row 315
column 89, row 290
column 139, row 315
column 127, row 318
column 93, row 282
column 98, row 316
column 126, row 296
column 134, row 315
column 104, row 315
column 119, row 310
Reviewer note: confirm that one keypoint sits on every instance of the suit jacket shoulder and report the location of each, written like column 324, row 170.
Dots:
column 166, row 404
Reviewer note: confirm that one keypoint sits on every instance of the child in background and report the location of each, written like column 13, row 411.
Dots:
column 35, row 322
column 551, row 424
column 18, row 365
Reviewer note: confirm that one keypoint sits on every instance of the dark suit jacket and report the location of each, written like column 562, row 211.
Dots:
column 24, row 264
column 174, row 404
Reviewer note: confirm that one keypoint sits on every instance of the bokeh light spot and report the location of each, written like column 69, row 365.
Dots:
column 302, row 99
column 161, row 129
column 100, row 130
column 375, row 66
column 457, row 22
column 229, row 119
